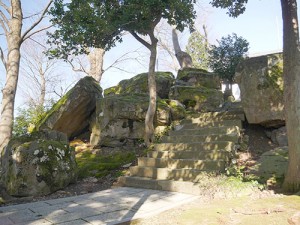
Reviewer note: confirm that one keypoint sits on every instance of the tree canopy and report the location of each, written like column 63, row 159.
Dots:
column 225, row 57
column 81, row 24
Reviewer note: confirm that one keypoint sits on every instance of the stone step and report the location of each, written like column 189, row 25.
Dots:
column 200, row 138
column 206, row 131
column 169, row 174
column 200, row 124
column 181, row 163
column 196, row 146
column 166, row 185
column 196, row 155
column 216, row 116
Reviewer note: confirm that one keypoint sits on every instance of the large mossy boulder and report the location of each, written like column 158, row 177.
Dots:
column 122, row 117
column 38, row 164
column 71, row 114
column 139, row 85
column 198, row 77
column 272, row 165
column 261, row 83
column 199, row 99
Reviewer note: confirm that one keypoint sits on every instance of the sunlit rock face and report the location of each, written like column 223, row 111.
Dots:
column 71, row 114
column 38, row 164
column 261, row 83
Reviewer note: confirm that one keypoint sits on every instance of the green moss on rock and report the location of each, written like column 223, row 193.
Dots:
column 37, row 166
column 139, row 85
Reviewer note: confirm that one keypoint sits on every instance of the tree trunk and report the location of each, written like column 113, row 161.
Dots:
column 291, row 71
column 149, row 120
column 43, row 87
column 96, row 63
column 13, row 37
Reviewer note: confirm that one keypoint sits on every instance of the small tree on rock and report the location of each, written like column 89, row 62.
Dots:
column 225, row 57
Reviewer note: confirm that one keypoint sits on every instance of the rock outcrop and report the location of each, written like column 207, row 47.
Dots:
column 139, row 85
column 261, row 84
column 120, row 119
column 38, row 164
column 71, row 114
column 198, row 90
column 198, row 77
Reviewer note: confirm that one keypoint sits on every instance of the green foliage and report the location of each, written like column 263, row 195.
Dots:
column 197, row 49
column 224, row 58
column 94, row 23
column 235, row 7
column 26, row 119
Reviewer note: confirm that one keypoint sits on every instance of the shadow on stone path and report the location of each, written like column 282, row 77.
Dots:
column 112, row 206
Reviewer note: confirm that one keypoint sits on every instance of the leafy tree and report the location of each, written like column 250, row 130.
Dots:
column 291, row 71
column 26, row 119
column 197, row 48
column 99, row 24
column 224, row 58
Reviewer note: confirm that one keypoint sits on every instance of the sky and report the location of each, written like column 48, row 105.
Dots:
column 260, row 25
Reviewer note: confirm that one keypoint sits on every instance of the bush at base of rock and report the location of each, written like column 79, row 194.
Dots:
column 35, row 167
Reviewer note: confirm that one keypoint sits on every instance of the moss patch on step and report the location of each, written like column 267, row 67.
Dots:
column 97, row 165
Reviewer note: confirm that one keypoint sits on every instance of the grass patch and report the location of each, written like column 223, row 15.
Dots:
column 97, row 165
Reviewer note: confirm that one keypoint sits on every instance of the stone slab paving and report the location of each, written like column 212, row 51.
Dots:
column 112, row 206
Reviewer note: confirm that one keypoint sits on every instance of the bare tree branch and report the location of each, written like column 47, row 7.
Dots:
column 5, row 7
column 37, row 31
column 3, row 22
column 80, row 69
column 24, row 36
column 3, row 58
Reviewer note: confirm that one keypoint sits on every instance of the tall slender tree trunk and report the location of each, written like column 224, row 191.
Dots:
column 149, row 120
column 96, row 63
column 43, row 87
column 291, row 71
column 13, row 37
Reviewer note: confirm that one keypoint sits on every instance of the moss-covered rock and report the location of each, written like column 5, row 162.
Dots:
column 34, row 167
column 71, row 114
column 177, row 109
column 121, row 117
column 139, row 85
column 261, row 84
column 198, row 77
column 197, row 98
column 272, row 165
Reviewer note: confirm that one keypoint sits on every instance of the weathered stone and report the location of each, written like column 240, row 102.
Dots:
column 197, row 98
column 177, row 110
column 32, row 167
column 121, row 118
column 279, row 136
column 272, row 165
column 139, row 85
column 71, row 114
column 261, row 84
column 198, row 77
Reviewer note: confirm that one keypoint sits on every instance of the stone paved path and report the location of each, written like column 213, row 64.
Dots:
column 112, row 206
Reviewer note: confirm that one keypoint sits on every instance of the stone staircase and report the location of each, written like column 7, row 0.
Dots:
column 204, row 143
